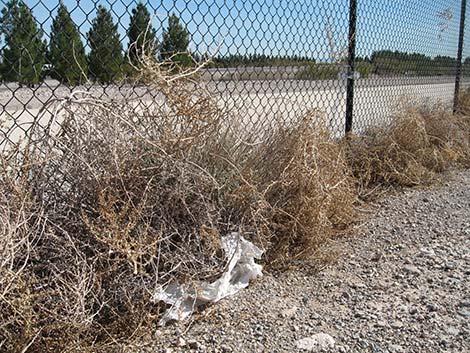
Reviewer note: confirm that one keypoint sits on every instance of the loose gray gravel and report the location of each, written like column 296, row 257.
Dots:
column 400, row 285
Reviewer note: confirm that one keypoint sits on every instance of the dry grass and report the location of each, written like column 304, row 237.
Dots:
column 420, row 143
column 124, row 198
column 119, row 200
column 19, row 232
column 303, row 176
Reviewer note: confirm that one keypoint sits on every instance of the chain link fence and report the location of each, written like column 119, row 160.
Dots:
column 352, row 60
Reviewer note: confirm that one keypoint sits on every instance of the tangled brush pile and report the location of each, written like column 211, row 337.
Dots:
column 303, row 176
column 419, row 143
column 114, row 199
column 118, row 198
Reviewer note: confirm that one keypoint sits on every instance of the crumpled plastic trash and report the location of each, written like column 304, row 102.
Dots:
column 185, row 298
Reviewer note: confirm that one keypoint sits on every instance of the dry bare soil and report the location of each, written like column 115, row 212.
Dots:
column 400, row 285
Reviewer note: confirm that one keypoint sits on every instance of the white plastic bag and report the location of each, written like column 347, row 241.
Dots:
column 241, row 268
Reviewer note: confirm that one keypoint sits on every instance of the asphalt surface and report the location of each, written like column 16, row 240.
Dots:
column 13, row 97
column 257, row 104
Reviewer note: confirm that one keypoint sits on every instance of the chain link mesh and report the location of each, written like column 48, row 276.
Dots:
column 272, row 60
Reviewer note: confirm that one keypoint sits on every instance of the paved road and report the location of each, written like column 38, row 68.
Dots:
column 14, row 98
column 375, row 100
column 258, row 103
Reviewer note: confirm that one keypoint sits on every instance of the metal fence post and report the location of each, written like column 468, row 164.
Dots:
column 458, row 68
column 351, row 59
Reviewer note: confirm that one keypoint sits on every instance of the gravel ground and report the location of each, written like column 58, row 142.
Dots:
column 400, row 285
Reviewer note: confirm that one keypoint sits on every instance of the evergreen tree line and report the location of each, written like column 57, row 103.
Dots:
column 25, row 54
column 257, row 60
column 382, row 62
column 387, row 62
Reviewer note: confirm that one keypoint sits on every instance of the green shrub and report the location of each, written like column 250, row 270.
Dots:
column 319, row 71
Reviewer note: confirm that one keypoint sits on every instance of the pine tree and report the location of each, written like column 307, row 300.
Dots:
column 10, row 14
column 66, row 51
column 175, row 42
column 141, row 34
column 105, row 60
column 24, row 53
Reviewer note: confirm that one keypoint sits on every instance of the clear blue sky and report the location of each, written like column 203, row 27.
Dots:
column 287, row 27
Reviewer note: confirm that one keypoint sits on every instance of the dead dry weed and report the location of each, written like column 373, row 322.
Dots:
column 121, row 198
column 420, row 142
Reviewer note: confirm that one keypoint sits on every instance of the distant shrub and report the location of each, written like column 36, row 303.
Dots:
column 319, row 71
column 364, row 68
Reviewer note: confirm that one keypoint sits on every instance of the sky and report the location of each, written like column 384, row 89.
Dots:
column 312, row 28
